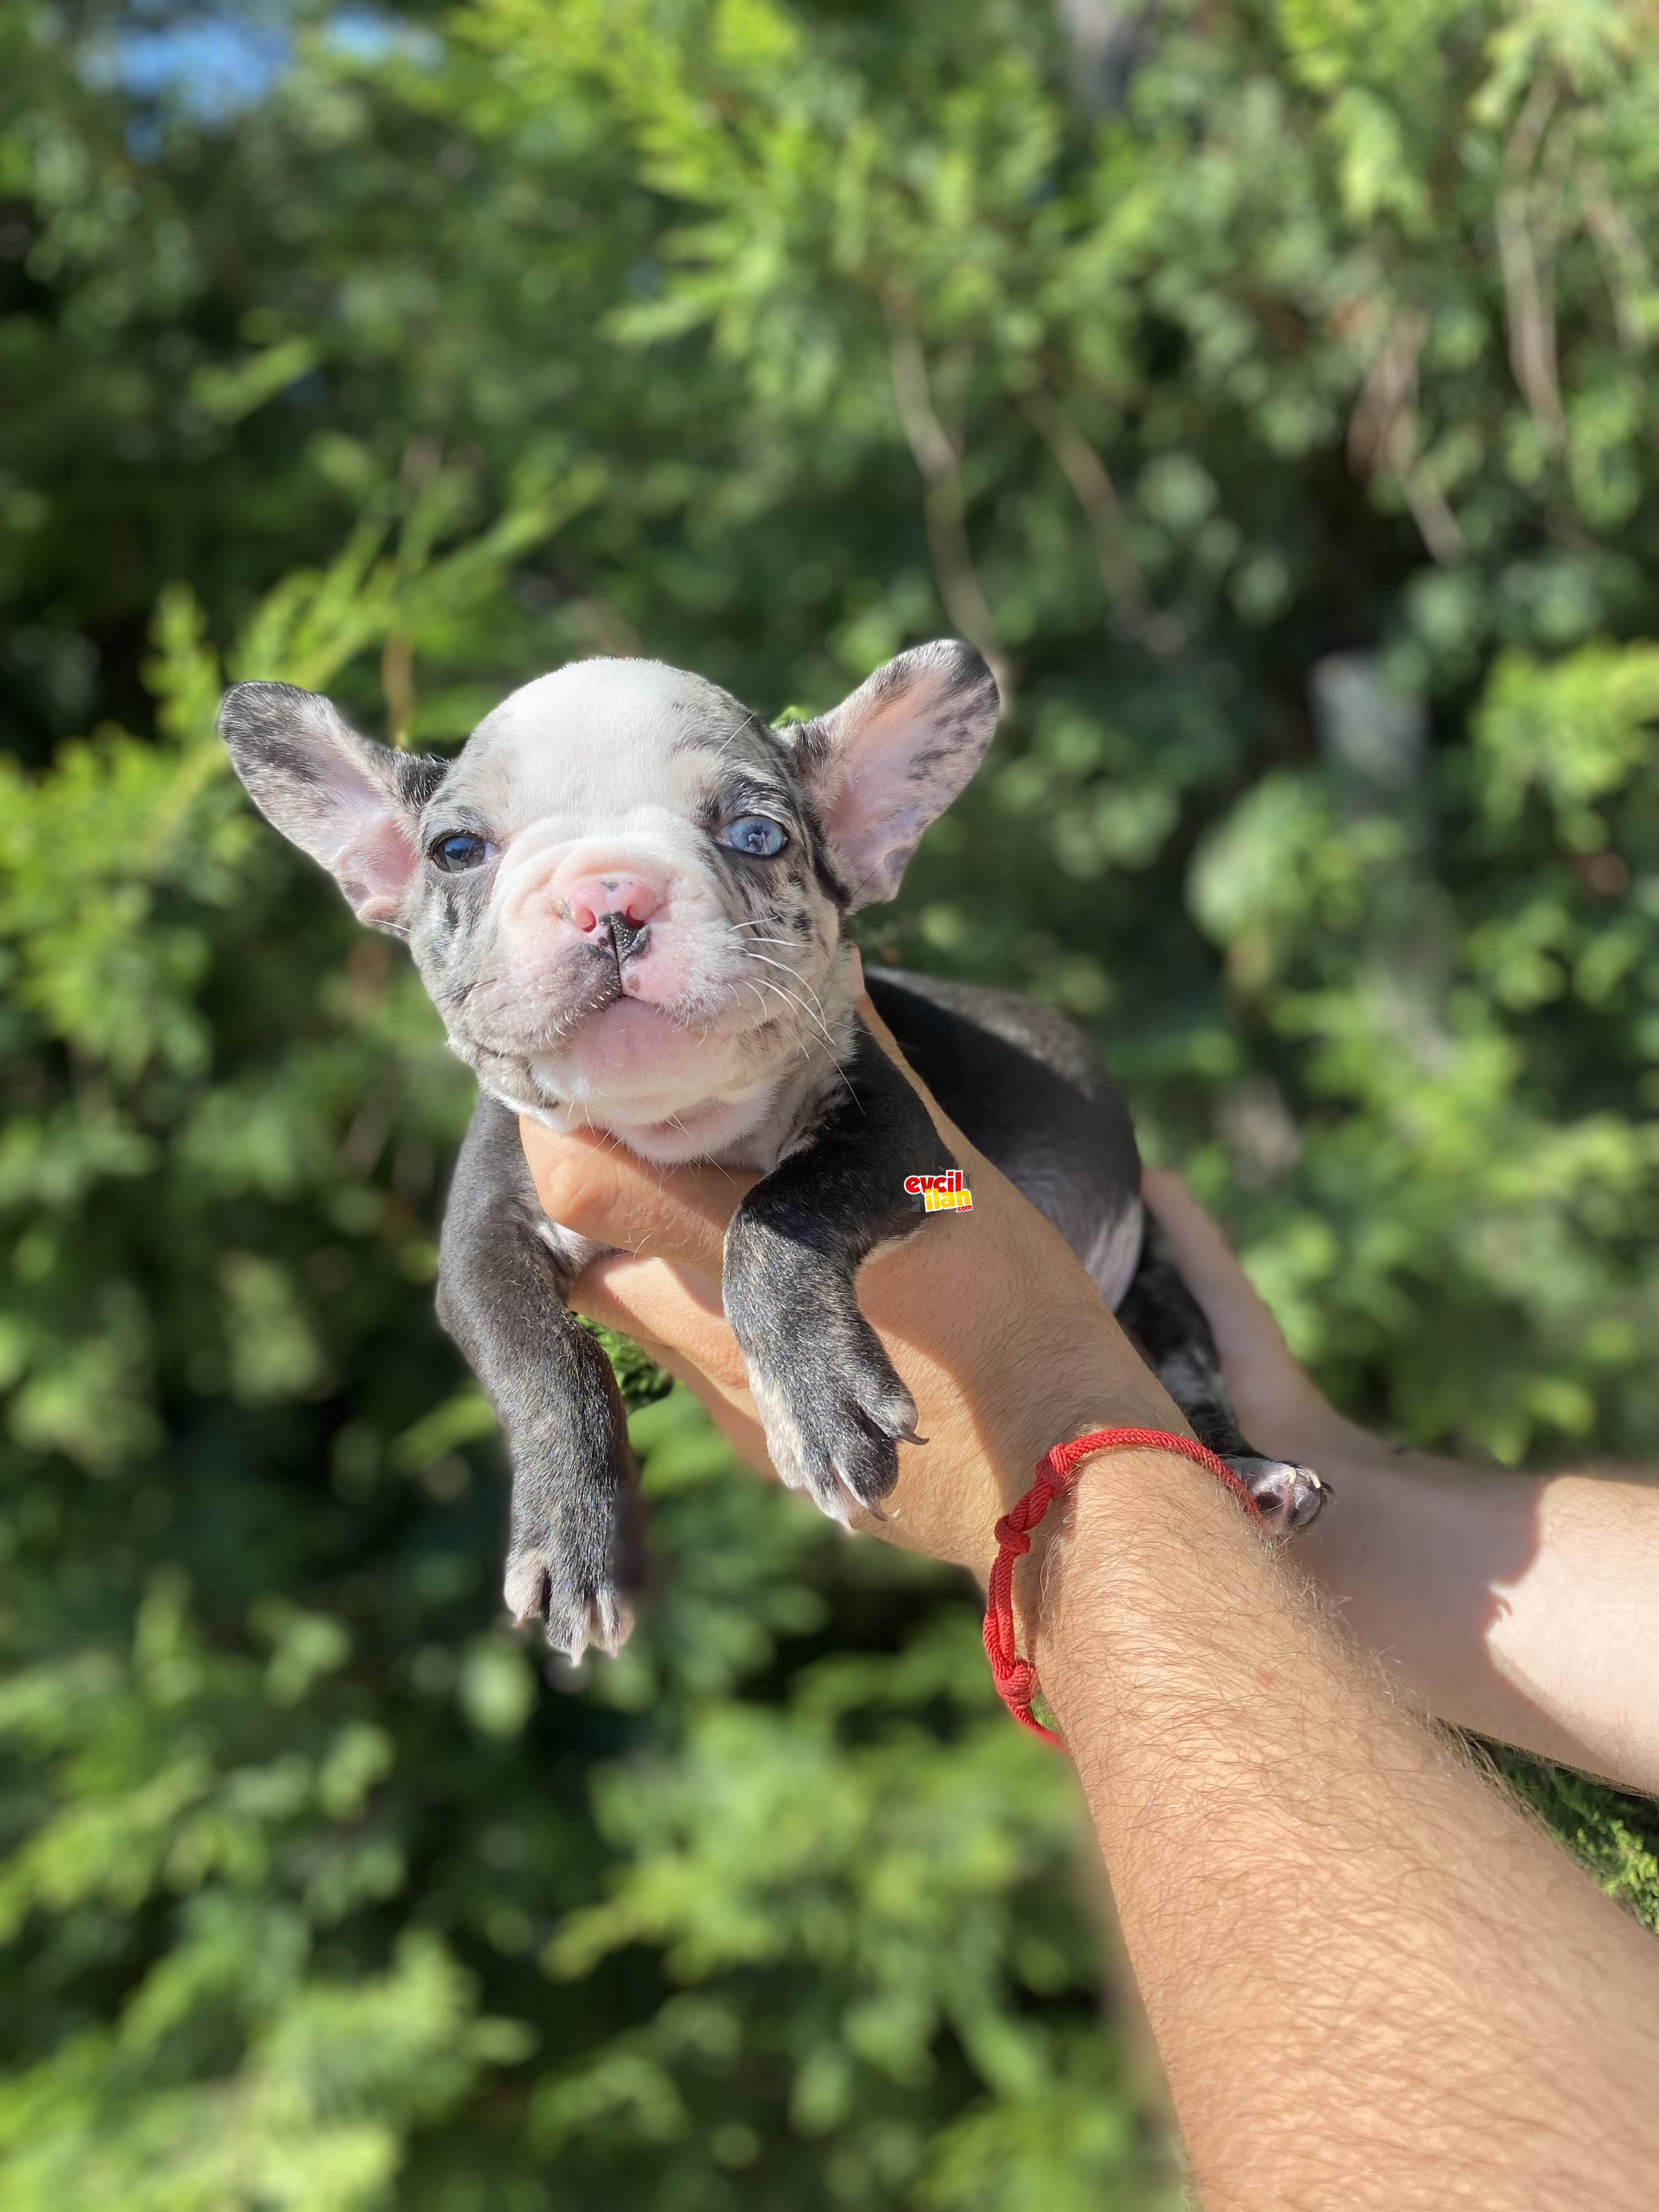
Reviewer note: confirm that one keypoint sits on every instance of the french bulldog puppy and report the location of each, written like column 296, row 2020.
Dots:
column 627, row 897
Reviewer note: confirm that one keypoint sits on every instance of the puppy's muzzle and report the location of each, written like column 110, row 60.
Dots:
column 627, row 935
column 612, row 913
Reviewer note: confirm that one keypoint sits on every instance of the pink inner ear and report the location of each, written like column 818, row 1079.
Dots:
column 877, row 818
column 894, row 754
column 375, row 867
column 895, row 775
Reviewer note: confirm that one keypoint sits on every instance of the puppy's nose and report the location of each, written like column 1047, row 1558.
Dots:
column 614, row 908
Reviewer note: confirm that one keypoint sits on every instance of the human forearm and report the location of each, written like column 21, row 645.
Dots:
column 1373, row 1984
column 1371, row 1981
column 1522, row 1605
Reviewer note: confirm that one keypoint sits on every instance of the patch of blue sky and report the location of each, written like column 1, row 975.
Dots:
column 213, row 63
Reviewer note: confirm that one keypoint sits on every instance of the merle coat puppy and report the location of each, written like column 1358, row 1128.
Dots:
column 627, row 897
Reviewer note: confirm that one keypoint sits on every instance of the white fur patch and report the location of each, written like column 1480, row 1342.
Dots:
column 1112, row 1257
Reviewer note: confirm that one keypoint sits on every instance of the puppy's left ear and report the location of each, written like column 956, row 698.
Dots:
column 889, row 759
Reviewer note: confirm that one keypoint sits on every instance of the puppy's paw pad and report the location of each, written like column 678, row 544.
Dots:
column 1286, row 1498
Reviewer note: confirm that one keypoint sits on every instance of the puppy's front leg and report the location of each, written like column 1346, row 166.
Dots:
column 504, row 1273
column 829, row 1397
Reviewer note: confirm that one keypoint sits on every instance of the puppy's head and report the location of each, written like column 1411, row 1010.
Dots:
column 625, row 893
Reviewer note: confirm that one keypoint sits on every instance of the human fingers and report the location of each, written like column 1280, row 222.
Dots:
column 666, row 1309
column 674, row 1316
column 978, row 1350
column 884, row 1038
column 674, row 1313
column 588, row 1184
column 995, row 1328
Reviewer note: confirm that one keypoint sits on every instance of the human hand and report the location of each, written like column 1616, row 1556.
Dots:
column 1001, row 1337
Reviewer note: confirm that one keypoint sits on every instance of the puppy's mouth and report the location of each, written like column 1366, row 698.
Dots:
column 589, row 1016
column 600, row 992
column 613, row 979
column 608, row 1015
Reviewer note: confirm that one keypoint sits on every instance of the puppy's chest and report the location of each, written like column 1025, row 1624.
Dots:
column 757, row 1152
column 753, row 1133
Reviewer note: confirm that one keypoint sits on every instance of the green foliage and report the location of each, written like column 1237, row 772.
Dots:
column 1615, row 1837
column 316, row 1885
column 1283, row 428
column 640, row 1379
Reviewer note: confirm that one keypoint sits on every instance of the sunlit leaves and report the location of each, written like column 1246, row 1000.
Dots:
column 1577, row 730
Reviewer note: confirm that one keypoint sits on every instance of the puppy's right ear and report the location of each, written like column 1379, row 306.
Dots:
column 353, row 806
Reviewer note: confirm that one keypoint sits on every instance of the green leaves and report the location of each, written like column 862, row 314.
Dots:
column 1578, row 730
column 313, row 2120
column 1279, row 414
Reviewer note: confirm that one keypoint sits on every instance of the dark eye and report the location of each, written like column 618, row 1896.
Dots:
column 463, row 850
column 755, row 834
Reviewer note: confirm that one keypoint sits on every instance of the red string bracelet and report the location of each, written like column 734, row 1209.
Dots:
column 1016, row 1678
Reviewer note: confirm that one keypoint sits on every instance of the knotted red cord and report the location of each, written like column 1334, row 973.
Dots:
column 1016, row 1678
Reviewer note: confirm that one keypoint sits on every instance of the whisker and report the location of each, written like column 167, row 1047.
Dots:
column 817, row 1001
column 805, row 1050
column 802, row 1004
column 790, row 995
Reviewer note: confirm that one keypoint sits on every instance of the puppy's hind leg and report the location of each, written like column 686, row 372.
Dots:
column 1166, row 1324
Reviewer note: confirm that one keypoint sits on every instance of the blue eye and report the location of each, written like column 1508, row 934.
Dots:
column 462, row 851
column 755, row 834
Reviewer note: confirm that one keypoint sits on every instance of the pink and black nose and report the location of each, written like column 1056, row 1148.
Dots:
column 610, row 911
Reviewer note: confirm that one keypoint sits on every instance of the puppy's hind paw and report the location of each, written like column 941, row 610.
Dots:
column 1286, row 1498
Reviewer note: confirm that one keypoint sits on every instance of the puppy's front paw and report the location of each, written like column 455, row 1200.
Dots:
column 1287, row 1498
column 576, row 1609
column 833, row 1428
column 574, row 1554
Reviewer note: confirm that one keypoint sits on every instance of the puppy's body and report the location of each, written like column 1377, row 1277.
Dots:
column 626, row 896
